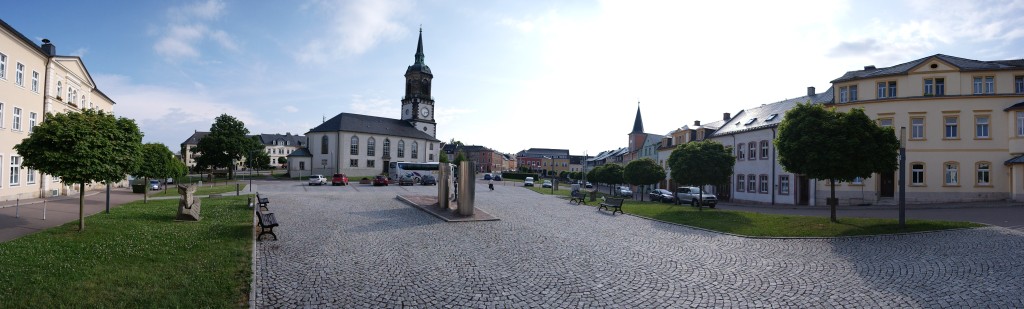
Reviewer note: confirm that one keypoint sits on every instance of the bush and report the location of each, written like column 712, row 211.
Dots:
column 520, row 176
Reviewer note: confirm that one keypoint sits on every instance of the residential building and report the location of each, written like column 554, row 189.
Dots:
column 187, row 155
column 680, row 136
column 279, row 146
column 963, row 122
column 544, row 160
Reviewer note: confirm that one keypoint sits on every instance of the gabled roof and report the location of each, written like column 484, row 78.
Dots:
column 291, row 140
column 961, row 63
column 22, row 38
column 1016, row 160
column 372, row 125
column 609, row 153
column 194, row 139
column 761, row 117
column 301, row 152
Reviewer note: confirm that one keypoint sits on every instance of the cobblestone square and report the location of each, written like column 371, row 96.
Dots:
column 359, row 246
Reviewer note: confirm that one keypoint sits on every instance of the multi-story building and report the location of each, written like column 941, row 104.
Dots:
column 279, row 146
column 680, row 136
column 34, row 80
column 963, row 123
column 757, row 176
column 544, row 160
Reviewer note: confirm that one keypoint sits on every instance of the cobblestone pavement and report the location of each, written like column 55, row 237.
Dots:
column 358, row 246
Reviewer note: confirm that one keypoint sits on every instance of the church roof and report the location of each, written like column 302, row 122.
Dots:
column 638, row 124
column 420, row 65
column 372, row 125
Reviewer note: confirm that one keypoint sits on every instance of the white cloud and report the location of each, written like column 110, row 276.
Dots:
column 374, row 106
column 80, row 52
column 211, row 9
column 354, row 27
column 291, row 109
column 189, row 28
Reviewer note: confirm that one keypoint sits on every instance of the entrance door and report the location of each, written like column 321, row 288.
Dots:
column 387, row 166
column 888, row 185
column 803, row 188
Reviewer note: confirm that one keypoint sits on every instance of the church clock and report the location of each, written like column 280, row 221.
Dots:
column 425, row 112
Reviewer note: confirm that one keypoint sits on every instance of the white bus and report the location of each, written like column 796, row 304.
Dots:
column 412, row 169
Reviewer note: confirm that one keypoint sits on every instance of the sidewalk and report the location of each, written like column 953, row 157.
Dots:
column 59, row 210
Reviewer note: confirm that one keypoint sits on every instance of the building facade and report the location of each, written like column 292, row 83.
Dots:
column 544, row 160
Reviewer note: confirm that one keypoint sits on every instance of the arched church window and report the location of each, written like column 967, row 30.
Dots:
column 370, row 145
column 401, row 149
column 354, row 147
column 415, row 150
column 387, row 148
column 323, row 145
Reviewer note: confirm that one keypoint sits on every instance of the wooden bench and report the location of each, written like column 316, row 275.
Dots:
column 262, row 201
column 614, row 203
column 267, row 223
column 578, row 197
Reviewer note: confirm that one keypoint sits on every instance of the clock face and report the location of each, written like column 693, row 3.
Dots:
column 424, row 112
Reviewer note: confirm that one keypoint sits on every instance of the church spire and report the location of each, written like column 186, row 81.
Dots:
column 638, row 124
column 420, row 65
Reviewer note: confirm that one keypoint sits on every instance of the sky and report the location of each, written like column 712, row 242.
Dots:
column 508, row 75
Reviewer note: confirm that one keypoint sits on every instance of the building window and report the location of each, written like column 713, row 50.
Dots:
column 917, row 128
column 387, row 148
column 3, row 66
column 19, row 74
column 16, row 122
column 741, row 182
column 431, row 146
column 951, row 177
column 751, row 183
column 984, row 85
column 401, row 149
column 2, row 115
column 784, row 184
column 371, row 144
column 31, row 121
column 885, row 122
column 1018, row 84
column 58, row 90
column 859, row 181
column 917, row 174
column 30, row 176
column 15, row 170
column 741, row 153
column 952, row 129
column 415, row 150
column 323, row 145
column 1020, row 121
column 764, row 184
column 752, row 150
column 431, row 158
column 853, row 93
column 764, row 150
column 887, row 89
column 847, row 94
column 984, row 173
column 981, row 126
column 353, row 148
column 353, row 163
column 371, row 163
column 35, row 81
column 934, row 86
column 302, row 166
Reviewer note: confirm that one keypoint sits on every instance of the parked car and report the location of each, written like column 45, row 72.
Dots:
column 380, row 181
column 496, row 177
column 662, row 195
column 589, row 185
column 339, row 180
column 406, row 181
column 428, row 180
column 693, row 194
column 317, row 180
column 528, row 182
column 622, row 191
column 487, row 176
column 154, row 184
column 169, row 181
column 546, row 184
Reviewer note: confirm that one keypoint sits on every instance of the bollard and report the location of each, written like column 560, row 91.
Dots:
column 467, row 188
column 44, row 208
column 237, row 190
column 17, row 207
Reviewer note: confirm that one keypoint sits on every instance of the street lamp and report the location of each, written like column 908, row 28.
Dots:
column 903, row 180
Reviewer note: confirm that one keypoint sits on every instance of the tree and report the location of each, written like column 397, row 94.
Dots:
column 595, row 174
column 282, row 160
column 226, row 144
column 157, row 162
column 443, row 157
column 611, row 174
column 643, row 172
column 825, row 144
column 701, row 163
column 83, row 147
column 260, row 159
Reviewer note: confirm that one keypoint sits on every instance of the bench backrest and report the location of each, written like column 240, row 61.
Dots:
column 613, row 201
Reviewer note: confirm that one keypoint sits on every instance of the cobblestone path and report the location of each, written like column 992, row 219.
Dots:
column 358, row 246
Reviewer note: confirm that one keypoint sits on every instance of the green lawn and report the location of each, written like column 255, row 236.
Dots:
column 771, row 225
column 205, row 189
column 134, row 257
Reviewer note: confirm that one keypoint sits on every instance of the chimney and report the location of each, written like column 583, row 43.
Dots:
column 810, row 91
column 48, row 48
column 696, row 123
column 869, row 67
column 726, row 116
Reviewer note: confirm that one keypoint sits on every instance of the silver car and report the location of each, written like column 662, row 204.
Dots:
column 623, row 191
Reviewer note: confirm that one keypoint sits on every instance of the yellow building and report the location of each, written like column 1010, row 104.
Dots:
column 34, row 80
column 964, row 126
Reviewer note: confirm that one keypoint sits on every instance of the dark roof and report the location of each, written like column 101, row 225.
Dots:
column 301, row 152
column 903, row 68
column 419, row 65
column 638, row 124
column 757, row 118
column 372, row 125
column 1015, row 107
column 540, row 152
column 194, row 139
column 608, row 154
column 1016, row 160
column 291, row 140
column 23, row 38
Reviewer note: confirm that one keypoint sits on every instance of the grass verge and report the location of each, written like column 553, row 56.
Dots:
column 203, row 190
column 134, row 257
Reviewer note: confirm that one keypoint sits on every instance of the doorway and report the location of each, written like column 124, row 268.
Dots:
column 803, row 188
column 888, row 184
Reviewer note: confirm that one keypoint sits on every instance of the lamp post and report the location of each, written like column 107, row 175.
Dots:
column 249, row 160
column 903, row 180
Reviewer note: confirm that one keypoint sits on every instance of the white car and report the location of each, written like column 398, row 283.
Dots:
column 528, row 182
column 317, row 180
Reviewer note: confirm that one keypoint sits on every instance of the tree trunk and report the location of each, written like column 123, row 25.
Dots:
column 832, row 200
column 145, row 192
column 81, row 207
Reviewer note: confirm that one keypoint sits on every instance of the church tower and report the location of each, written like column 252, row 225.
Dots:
column 636, row 138
column 417, row 104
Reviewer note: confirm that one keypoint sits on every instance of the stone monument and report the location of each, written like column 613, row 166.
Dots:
column 188, row 204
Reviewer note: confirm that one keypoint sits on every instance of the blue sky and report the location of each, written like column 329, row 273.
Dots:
column 509, row 75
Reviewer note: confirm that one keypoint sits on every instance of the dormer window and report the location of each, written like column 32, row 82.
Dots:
column 771, row 117
column 750, row 121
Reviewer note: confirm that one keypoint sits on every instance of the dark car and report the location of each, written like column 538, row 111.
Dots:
column 487, row 176
column 380, row 181
column 339, row 180
column 428, row 180
column 662, row 195
column 496, row 177
column 406, row 181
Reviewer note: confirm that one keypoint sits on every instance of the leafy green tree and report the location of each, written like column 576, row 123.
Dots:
column 157, row 162
column 701, row 163
column 260, row 159
column 282, row 160
column 226, row 144
column 825, row 144
column 83, row 147
column 611, row 174
column 443, row 157
column 643, row 172
column 594, row 175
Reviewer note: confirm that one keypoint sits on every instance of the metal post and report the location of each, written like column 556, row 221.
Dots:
column 17, row 207
column 903, row 180
column 108, row 196
column 238, row 189
column 44, row 208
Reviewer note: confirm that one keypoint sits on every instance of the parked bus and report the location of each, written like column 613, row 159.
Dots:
column 412, row 169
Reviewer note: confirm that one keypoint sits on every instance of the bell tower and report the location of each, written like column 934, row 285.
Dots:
column 417, row 104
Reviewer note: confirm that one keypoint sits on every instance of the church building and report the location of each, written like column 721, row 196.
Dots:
column 361, row 145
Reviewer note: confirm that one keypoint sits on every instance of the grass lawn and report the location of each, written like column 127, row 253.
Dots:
column 134, row 257
column 772, row 225
column 205, row 189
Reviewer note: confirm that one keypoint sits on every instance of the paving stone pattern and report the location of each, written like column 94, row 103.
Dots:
column 358, row 246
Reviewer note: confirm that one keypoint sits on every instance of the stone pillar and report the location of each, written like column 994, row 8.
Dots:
column 444, row 175
column 467, row 187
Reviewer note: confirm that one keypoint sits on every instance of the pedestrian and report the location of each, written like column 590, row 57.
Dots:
column 490, row 184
